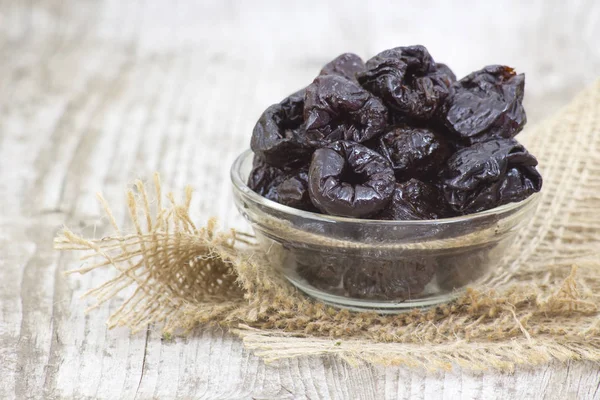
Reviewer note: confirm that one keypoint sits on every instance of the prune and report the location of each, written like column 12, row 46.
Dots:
column 346, row 65
column 519, row 183
column 348, row 179
column 446, row 72
column 408, row 81
column 388, row 280
column 414, row 152
column 264, row 179
column 486, row 104
column 336, row 108
column 331, row 146
column 279, row 137
column 488, row 174
column 293, row 191
column 415, row 200
column 417, row 59
column 321, row 271
column 285, row 187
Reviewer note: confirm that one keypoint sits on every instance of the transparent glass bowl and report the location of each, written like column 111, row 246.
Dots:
column 383, row 266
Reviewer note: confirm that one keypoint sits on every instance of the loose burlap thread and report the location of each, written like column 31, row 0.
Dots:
column 542, row 305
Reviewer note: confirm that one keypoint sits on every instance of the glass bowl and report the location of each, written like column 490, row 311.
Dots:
column 383, row 266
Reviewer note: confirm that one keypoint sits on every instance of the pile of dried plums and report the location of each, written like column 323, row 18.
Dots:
column 396, row 138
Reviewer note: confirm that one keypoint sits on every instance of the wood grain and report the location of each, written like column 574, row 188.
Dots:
column 94, row 94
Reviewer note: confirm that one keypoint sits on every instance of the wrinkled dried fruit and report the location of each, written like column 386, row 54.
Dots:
column 415, row 200
column 404, row 112
column 338, row 109
column 519, row 183
column 348, row 179
column 414, row 152
column 285, row 187
column 346, row 65
column 321, row 271
column 279, row 137
column 264, row 179
column 408, row 80
column 383, row 279
column 490, row 174
column 486, row 104
column 293, row 191
column 447, row 73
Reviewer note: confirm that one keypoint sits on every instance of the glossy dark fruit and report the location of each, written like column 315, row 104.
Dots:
column 519, row 183
column 279, row 136
column 408, row 80
column 348, row 179
column 383, row 74
column 388, row 280
column 285, row 187
column 264, row 178
column 346, row 65
column 293, row 191
column 415, row 200
column 417, row 59
column 414, row 152
column 446, row 72
column 339, row 109
column 449, row 144
column 486, row 104
column 488, row 174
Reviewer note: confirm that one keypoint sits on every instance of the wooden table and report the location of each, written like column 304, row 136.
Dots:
column 94, row 94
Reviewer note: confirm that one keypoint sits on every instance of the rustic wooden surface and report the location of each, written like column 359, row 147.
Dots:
column 96, row 93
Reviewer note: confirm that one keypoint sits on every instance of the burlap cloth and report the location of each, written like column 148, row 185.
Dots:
column 542, row 305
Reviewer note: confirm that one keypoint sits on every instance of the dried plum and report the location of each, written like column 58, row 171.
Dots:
column 264, row 179
column 519, row 183
column 348, row 179
column 293, row 191
column 486, row 104
column 488, row 174
column 414, row 152
column 285, row 187
column 346, row 65
column 279, row 136
column 408, row 81
column 417, row 59
column 415, row 200
column 384, row 279
column 338, row 109
column 330, row 147
column 447, row 73
column 321, row 271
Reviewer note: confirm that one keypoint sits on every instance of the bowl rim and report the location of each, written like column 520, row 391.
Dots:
column 240, row 185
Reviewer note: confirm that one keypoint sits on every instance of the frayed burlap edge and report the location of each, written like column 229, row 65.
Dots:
column 542, row 305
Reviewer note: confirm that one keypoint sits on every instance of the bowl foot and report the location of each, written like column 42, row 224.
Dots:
column 378, row 306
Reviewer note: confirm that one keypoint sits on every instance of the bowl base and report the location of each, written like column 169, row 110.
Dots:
column 378, row 306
